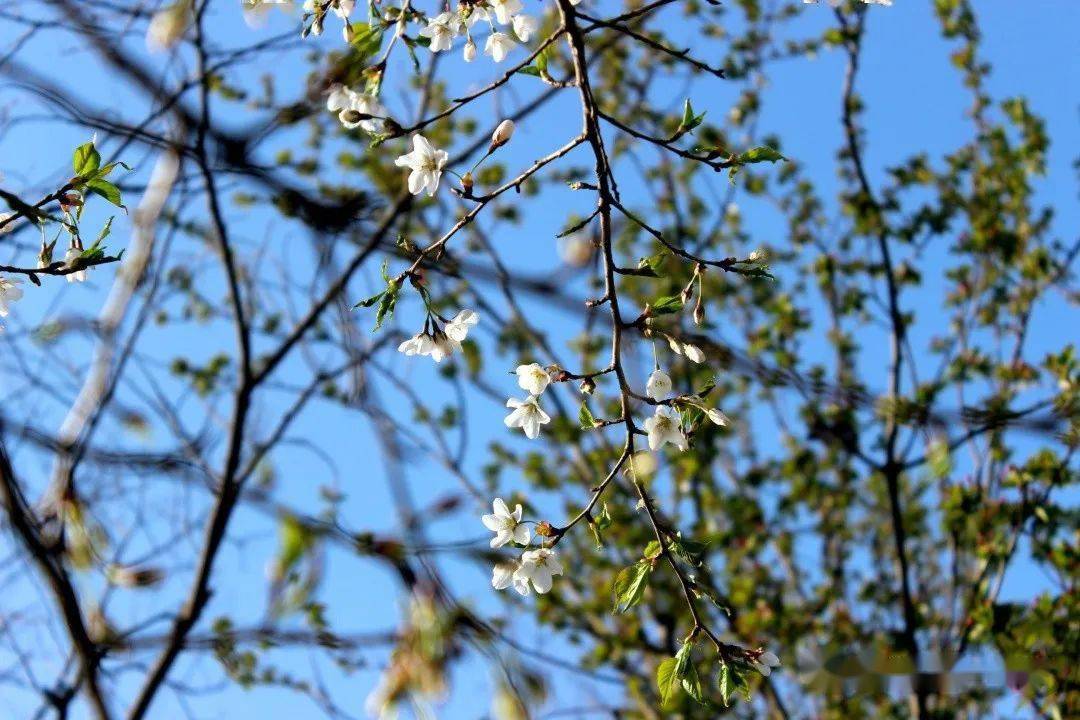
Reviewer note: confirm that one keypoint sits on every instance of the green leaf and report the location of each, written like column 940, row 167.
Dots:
column 667, row 683
column 762, row 153
column 387, row 303
column 689, row 119
column 105, row 230
column 689, row 550
column 603, row 520
column 86, row 160
column 530, row 70
column 366, row 41
column 666, row 305
column 759, row 154
column 369, row 301
column 653, row 550
column 724, row 682
column 107, row 190
column 650, row 266
column 629, row 586
column 585, row 417
column 691, row 683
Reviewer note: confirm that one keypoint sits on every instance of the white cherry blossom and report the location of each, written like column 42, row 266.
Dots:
column 478, row 14
column 538, row 567
column 9, row 292
column 532, row 378
column 498, row 45
column 426, row 162
column 442, row 29
column 766, row 662
column 505, row 10
column 458, row 328
column 469, row 53
column 351, row 105
column 503, row 576
column 70, row 257
column 525, row 26
column 658, row 386
column 506, row 525
column 418, row 344
column 665, row 427
column 527, row 415
column 443, row 347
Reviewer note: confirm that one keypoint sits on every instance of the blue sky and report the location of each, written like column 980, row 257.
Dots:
column 915, row 103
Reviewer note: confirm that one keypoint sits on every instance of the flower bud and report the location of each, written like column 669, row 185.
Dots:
column 588, row 385
column 470, row 50
column 45, row 255
column 699, row 312
column 132, row 577
column 502, row 134
column 467, row 183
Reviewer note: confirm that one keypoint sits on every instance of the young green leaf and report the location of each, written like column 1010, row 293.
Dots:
column 387, row 303
column 666, row 304
column 629, row 585
column 667, row 682
column 585, row 417
column 86, row 160
column 107, row 190
column 369, row 302
column 723, row 680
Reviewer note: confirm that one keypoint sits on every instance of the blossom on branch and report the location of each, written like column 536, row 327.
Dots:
column 658, row 386
column 525, row 26
column 441, row 30
column 458, row 328
column 505, row 10
column 498, row 46
column 426, row 162
column 356, row 109
column 504, row 575
column 766, row 662
column 527, row 415
column 538, row 567
column 532, row 378
column 665, row 427
column 506, row 525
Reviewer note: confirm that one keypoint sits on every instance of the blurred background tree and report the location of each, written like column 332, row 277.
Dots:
column 224, row 493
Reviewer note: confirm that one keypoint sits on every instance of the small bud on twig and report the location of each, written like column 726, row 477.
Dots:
column 502, row 134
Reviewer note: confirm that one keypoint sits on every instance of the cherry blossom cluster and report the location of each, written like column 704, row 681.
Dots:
column 442, row 29
column 535, row 569
column 440, row 343
column 527, row 413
